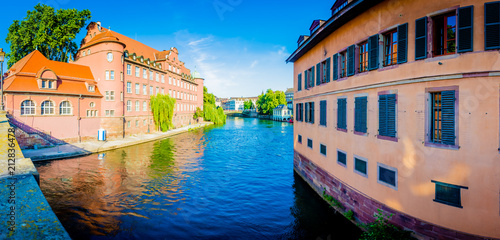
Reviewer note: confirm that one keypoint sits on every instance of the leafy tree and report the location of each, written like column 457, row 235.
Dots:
column 51, row 32
column 248, row 104
column 270, row 100
column 197, row 113
column 210, row 111
column 162, row 107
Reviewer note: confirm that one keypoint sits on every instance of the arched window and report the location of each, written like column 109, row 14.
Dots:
column 65, row 108
column 28, row 107
column 47, row 107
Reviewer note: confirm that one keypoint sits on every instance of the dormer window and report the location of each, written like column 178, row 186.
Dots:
column 83, row 53
column 91, row 88
column 88, row 52
column 48, row 84
column 110, row 57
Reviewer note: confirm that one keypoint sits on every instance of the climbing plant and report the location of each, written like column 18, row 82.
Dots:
column 162, row 107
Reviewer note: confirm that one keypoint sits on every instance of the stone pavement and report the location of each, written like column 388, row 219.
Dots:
column 89, row 147
column 24, row 211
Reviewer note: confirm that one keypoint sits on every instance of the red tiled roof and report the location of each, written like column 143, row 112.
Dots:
column 72, row 78
column 107, row 36
column 133, row 46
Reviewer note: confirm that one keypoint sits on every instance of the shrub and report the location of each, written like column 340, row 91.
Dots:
column 380, row 229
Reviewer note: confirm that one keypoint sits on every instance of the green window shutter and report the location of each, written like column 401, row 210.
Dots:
column 335, row 66
column 299, row 82
column 328, row 66
column 312, row 77
column 421, row 38
column 492, row 25
column 297, row 111
column 341, row 113
column 318, row 74
column 448, row 117
column 307, row 112
column 391, row 115
column 382, row 115
column 312, row 112
column 402, row 43
column 465, row 29
column 306, row 79
column 387, row 115
column 373, row 52
column 322, row 113
column 360, row 114
column 350, row 60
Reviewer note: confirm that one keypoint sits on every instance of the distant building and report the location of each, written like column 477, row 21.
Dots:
column 289, row 98
column 237, row 104
column 282, row 113
column 56, row 98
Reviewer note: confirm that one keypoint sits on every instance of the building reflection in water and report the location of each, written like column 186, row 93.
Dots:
column 91, row 195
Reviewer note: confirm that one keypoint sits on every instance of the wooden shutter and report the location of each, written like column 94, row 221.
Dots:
column 448, row 117
column 312, row 77
column 350, row 60
column 402, row 43
column 307, row 112
column 421, row 38
column 299, row 82
column 492, row 25
column 318, row 74
column 328, row 65
column 306, row 79
column 335, row 66
column 465, row 29
column 360, row 108
column 373, row 52
column 322, row 113
column 312, row 111
column 387, row 115
column 297, row 112
column 341, row 113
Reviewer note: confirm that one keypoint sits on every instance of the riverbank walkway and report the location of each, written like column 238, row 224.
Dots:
column 89, row 147
column 24, row 211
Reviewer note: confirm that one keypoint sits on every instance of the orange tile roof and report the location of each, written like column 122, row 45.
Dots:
column 134, row 46
column 72, row 78
column 107, row 36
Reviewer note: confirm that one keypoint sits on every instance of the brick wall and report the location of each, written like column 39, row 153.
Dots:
column 365, row 207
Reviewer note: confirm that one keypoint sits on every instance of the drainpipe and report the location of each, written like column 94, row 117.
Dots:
column 79, row 119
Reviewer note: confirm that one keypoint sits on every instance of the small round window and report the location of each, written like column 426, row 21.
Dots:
column 92, row 104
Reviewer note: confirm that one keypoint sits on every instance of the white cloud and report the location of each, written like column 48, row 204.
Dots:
column 233, row 67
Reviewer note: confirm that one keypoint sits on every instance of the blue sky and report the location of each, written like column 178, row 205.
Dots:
column 238, row 46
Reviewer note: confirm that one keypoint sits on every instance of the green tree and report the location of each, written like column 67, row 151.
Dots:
column 266, row 102
column 210, row 111
column 162, row 107
column 51, row 32
column 248, row 104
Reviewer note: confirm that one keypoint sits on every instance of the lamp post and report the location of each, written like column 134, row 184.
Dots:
column 2, row 58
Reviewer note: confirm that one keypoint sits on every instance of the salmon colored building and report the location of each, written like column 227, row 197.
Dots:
column 59, row 99
column 397, row 106
column 128, row 73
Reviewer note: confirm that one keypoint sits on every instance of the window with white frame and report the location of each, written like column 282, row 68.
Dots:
column 144, row 89
column 144, row 73
column 151, row 75
column 169, row 80
column 129, row 87
column 28, row 107
column 151, row 90
column 110, row 57
column 107, row 75
column 137, row 106
column 137, row 88
column 129, row 69
column 137, row 72
column 162, row 78
column 47, row 107
column 144, row 106
column 129, row 105
column 65, row 108
column 157, row 77
column 111, row 75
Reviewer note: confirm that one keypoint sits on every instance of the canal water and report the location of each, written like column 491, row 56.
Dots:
column 223, row 182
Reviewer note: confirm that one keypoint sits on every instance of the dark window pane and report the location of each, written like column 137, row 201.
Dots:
column 341, row 157
column 387, row 176
column 360, row 165
column 448, row 194
column 323, row 149
column 310, row 143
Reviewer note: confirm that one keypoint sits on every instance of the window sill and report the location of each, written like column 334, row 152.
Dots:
column 387, row 184
column 342, row 79
column 342, row 164
column 361, row 133
column 394, row 139
column 447, row 203
column 342, row 130
column 442, row 146
column 441, row 57
column 322, row 125
column 388, row 67
column 361, row 174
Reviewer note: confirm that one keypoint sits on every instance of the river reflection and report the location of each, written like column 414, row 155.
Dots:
column 230, row 182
